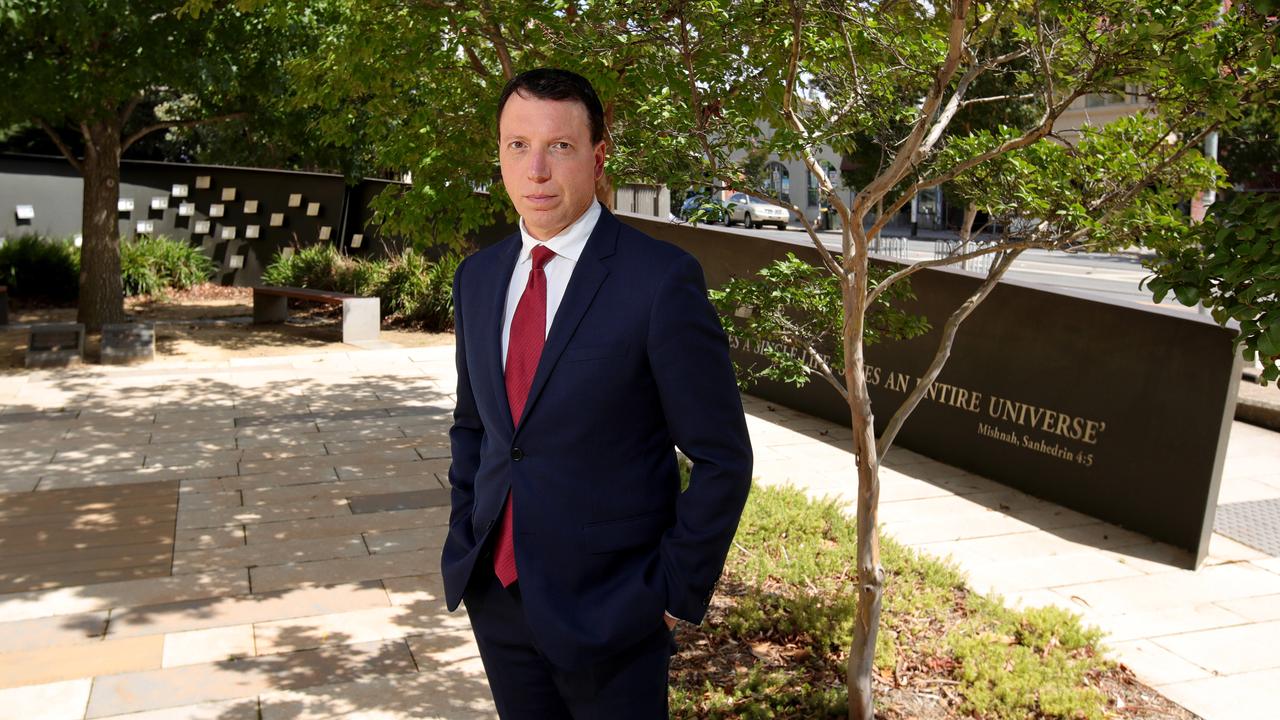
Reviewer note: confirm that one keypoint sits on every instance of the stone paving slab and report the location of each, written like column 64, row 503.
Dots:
column 170, row 687
column 238, row 709
column 355, row 626
column 448, row 692
column 393, row 520
column 1228, row 651
column 321, row 508
column 227, row 611
column 343, row 488
column 1247, row 696
column 82, row 559
column 51, row 701
column 209, row 645
column 408, row 500
column 281, row 553
column 57, row 631
column 67, row 601
column 1156, row 664
column 344, row 570
column 68, row 662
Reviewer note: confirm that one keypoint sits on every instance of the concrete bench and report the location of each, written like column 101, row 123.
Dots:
column 361, row 316
column 4, row 305
column 55, row 345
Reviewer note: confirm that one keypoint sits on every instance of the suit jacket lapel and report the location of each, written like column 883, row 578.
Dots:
column 588, row 275
column 498, row 295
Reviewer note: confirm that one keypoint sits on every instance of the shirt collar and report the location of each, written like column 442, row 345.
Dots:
column 570, row 242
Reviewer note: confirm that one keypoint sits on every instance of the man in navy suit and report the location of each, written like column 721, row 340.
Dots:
column 587, row 353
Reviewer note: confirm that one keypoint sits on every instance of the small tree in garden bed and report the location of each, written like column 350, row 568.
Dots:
column 891, row 82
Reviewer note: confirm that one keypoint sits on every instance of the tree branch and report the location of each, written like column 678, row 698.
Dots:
column 1027, row 138
column 907, row 156
column 129, row 107
column 62, row 146
column 135, row 137
column 494, row 33
column 944, row 351
column 997, row 98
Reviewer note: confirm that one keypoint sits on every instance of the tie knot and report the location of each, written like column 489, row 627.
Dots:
column 541, row 256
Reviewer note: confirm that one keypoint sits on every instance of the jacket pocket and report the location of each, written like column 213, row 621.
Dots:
column 614, row 535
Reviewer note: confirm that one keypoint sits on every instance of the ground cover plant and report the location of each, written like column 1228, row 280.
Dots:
column 414, row 289
column 776, row 641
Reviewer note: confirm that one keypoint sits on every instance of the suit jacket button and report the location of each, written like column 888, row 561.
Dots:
column 517, row 454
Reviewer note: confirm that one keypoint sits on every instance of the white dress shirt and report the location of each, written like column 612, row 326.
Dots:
column 568, row 248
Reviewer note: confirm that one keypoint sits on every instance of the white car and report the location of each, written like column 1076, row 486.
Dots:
column 753, row 211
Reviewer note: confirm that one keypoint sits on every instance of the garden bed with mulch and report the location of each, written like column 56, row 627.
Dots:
column 776, row 639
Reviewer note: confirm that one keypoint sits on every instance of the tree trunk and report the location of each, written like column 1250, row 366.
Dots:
column 101, row 288
column 866, row 625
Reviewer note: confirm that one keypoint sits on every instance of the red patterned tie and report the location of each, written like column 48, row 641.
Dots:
column 524, row 348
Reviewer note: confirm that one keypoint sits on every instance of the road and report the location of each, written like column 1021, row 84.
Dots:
column 1115, row 277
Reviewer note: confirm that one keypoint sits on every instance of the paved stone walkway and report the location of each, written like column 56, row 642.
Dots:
column 261, row 539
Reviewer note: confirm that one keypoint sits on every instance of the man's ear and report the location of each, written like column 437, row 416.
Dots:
column 599, row 153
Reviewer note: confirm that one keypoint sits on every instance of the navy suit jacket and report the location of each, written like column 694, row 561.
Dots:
column 635, row 364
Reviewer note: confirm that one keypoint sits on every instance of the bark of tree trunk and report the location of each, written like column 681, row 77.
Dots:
column 866, row 625
column 101, row 287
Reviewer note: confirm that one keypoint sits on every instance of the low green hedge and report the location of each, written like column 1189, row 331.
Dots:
column 37, row 267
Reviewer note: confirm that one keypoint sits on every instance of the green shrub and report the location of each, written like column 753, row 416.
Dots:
column 412, row 288
column 32, row 266
column 151, row 265
column 319, row 267
column 433, row 307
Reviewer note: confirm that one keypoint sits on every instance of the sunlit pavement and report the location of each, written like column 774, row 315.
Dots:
column 261, row 538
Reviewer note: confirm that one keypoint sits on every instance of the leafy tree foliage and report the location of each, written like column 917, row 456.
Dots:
column 99, row 76
column 1233, row 268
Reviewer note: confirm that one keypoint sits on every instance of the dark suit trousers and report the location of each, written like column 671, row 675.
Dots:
column 631, row 685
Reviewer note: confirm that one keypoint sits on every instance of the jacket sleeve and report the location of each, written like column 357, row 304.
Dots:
column 689, row 356
column 464, row 441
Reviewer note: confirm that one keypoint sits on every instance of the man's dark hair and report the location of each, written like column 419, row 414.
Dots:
column 557, row 84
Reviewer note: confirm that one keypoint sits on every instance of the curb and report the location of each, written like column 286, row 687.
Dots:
column 1258, row 405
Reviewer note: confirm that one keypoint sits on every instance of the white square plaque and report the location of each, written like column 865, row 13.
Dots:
column 216, row 210
column 124, row 205
column 178, row 190
column 251, row 231
column 26, row 212
column 144, row 227
column 202, row 182
column 277, row 219
column 295, row 200
column 235, row 262
column 229, row 233
column 201, row 227
column 160, row 202
column 324, row 232
column 228, row 194
column 186, row 209
column 313, row 209
column 357, row 240
column 250, row 207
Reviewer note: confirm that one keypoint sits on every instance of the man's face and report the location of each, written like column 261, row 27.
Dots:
column 549, row 164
